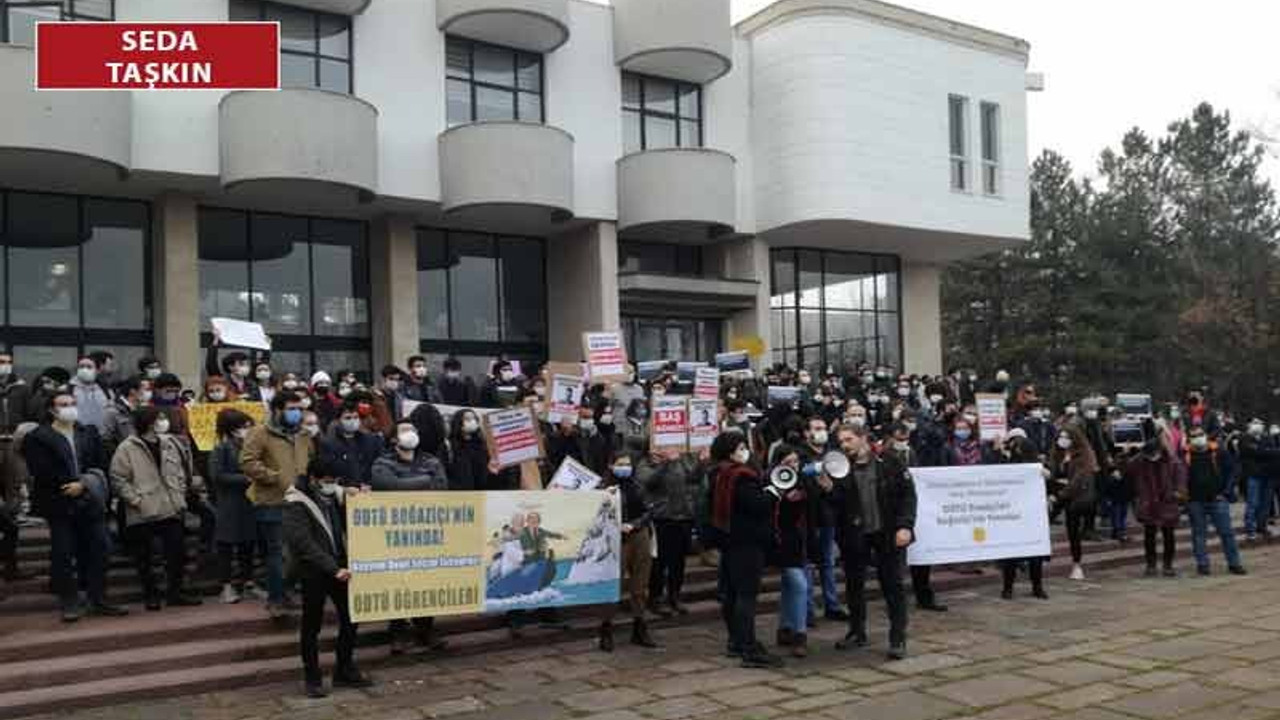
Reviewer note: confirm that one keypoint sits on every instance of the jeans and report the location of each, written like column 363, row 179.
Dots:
column 1219, row 513
column 1119, row 518
column 269, row 535
column 314, row 592
column 858, row 551
column 80, row 538
column 793, row 611
column 1257, row 504
column 667, row 574
column 140, row 537
column 827, row 569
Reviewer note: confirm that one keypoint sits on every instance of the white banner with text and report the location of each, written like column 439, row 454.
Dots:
column 979, row 512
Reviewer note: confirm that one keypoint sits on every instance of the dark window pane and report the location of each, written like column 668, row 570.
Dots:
column 335, row 75
column 341, row 279
column 957, row 107
column 784, row 279
column 297, row 27
column 810, row 278
column 44, row 268
column 690, row 134
column 890, row 333
column 93, row 9
column 646, row 257
column 127, row 356
column 659, row 96
column 23, row 19
column 473, row 282
column 281, row 282
column 244, row 10
column 224, row 265
column 115, row 259
column 810, row 326
column 530, row 109
column 335, row 36
column 298, row 363
column 630, row 91
column 659, row 132
column 458, row 57
column 782, row 329
column 848, row 277
column 297, row 71
column 630, row 131
column 493, row 104
column 529, row 72
column 494, row 65
column 433, row 289
column 523, row 299
column 30, row 360
column 689, row 101
column 459, row 101
column 356, row 361
column 688, row 260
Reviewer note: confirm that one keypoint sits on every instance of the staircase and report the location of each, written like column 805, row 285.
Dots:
column 150, row 655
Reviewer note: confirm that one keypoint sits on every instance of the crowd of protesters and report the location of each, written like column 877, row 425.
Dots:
column 104, row 456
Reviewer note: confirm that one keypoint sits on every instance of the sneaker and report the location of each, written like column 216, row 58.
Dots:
column 1039, row 593
column 351, row 678
column 898, row 651
column 1203, row 570
column 732, row 651
column 70, row 613
column 761, row 659
column 229, row 595
column 933, row 606
column 1077, row 572
column 853, row 640
column 1251, row 537
column 1237, row 570
column 1169, row 572
column 837, row 614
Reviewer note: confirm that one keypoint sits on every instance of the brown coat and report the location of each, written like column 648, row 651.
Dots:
column 273, row 459
column 152, row 492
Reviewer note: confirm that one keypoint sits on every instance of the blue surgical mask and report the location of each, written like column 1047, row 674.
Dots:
column 963, row 434
column 622, row 472
column 291, row 417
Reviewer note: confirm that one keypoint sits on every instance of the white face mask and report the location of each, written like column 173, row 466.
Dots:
column 240, row 433
column 1090, row 414
column 741, row 456
column 901, row 445
column 153, row 373
column 858, row 421
column 240, row 370
column 453, row 375
column 1064, row 443
column 587, row 426
column 408, row 440
column 68, row 414
column 819, row 437
column 217, row 395
column 6, row 369
column 311, row 429
column 306, row 402
column 1256, row 429
column 507, row 376
column 971, row 418
column 935, row 399
column 470, row 426
column 329, row 488
column 350, row 425
column 606, row 419
column 344, row 390
column 418, row 371
column 1200, row 442
column 263, row 374
column 1071, row 410
column 290, row 385
column 904, row 391
column 162, row 426
column 86, row 374
column 144, row 397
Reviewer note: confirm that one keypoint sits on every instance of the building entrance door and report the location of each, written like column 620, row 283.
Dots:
column 671, row 339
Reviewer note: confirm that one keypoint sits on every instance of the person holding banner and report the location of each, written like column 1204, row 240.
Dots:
column 878, row 521
column 1074, row 468
column 315, row 533
column 469, row 454
column 1018, row 449
column 636, row 559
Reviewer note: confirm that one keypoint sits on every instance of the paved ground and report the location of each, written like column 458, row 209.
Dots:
column 1112, row 648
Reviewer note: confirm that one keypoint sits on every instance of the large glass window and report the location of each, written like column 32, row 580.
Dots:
column 654, row 338
column 834, row 308
column 659, row 113
column 73, row 275
column 315, row 47
column 957, row 131
column 481, row 295
column 660, row 258
column 990, row 148
column 490, row 82
column 18, row 18
column 305, row 279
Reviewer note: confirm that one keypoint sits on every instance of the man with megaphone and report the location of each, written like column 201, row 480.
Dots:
column 877, row 499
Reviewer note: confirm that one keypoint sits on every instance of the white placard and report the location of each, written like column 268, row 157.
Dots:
column 669, row 422
column 573, row 475
column 706, row 383
column 993, row 416
column 566, row 398
column 703, row 422
column 239, row 333
column 979, row 512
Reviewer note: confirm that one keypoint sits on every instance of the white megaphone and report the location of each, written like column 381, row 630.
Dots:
column 836, row 465
column 783, row 478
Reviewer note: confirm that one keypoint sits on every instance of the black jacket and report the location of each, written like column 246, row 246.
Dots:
column 457, row 392
column 52, row 465
column 895, row 491
column 469, row 464
column 635, row 509
column 354, row 454
column 314, row 536
column 751, row 521
column 1205, row 480
column 15, row 404
column 1256, row 459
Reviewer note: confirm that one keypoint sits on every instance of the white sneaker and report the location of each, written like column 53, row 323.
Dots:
column 1077, row 572
column 253, row 592
column 229, row 595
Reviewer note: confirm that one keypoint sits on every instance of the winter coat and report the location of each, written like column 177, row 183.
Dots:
column 1205, row 480
column 236, row 521
column 314, row 536
column 15, row 404
column 670, row 485
column 152, row 491
column 273, row 460
column 1256, row 458
column 117, row 426
column 457, row 392
column 424, row 472
column 52, row 464
column 791, row 520
column 469, row 466
column 895, row 492
column 92, row 402
column 1158, row 485
column 355, row 454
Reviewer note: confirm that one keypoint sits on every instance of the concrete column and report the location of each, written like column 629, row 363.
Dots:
column 748, row 259
column 393, row 257
column 922, row 318
column 582, row 287
column 176, row 263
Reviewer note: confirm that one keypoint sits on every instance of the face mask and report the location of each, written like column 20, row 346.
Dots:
column 540, row 391
column 291, row 417
column 1090, row 414
column 240, row 433
column 344, row 390
column 904, row 391
column 67, row 414
column 321, row 390
column 263, row 375
column 1200, row 442
column 306, row 403
column 350, row 425
column 622, row 472
column 152, row 373
column 217, row 395
column 1174, row 414
column 1071, row 410
column 408, row 440
column 418, row 371
column 161, row 427
column 804, row 379
column 290, row 385
column 970, row 418
column 732, row 396
column 507, row 376
column 470, row 426
column 901, row 446
column 329, row 488
column 86, row 374
column 911, row 427
column 935, row 399
column 741, row 456
column 868, row 379
column 6, row 370
column 963, row 434
column 820, row 437
column 587, row 426
column 453, row 375
column 858, row 421
column 240, row 370
column 391, row 385
column 1064, row 442
column 144, row 397
column 311, row 429
column 1256, row 430
column 606, row 419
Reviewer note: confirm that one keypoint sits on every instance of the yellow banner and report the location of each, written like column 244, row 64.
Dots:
column 421, row 554
column 202, row 419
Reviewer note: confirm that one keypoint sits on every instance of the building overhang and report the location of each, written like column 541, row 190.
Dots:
column 534, row 25
column 337, row 7
column 520, row 171
column 690, row 40
column 911, row 244
column 652, row 293
column 681, row 195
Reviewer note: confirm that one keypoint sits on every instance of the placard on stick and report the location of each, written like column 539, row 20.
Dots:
column 704, row 422
column 606, row 356
column 566, row 397
column 513, row 436
column 669, row 423
column 993, row 417
column 573, row 475
column 706, row 383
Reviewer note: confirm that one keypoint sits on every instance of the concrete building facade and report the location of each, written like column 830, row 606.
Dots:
column 489, row 178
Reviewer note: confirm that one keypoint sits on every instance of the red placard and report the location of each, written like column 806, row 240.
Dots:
column 157, row 56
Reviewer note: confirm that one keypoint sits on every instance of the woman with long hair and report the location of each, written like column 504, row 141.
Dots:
column 1074, row 466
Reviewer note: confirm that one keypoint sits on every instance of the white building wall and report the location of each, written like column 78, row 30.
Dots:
column 726, row 125
column 850, row 122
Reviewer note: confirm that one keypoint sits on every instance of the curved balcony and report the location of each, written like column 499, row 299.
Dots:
column 534, row 25
column 685, row 195
column 506, row 171
column 690, row 40
column 68, row 130
column 299, row 136
column 339, row 7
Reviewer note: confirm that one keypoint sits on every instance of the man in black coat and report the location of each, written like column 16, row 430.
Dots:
column 878, row 500
column 315, row 536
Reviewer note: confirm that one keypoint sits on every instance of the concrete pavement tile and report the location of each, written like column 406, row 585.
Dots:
column 605, row 699
column 1128, row 662
column 1016, row 711
column 1212, row 665
column 751, row 696
column 1270, row 701
column 680, row 707
column 811, row 685
column 524, row 711
column 549, row 691
column 719, row 679
column 1249, row 678
column 451, row 707
column 992, row 690
column 859, row 676
column 1075, row 672
column 1174, row 700
column 960, row 672
column 1082, row 697
column 899, row 706
column 814, row 702
column 917, row 664
column 1256, row 653
column 890, row 688
column 1158, row 678
column 1183, row 648
column 615, row 715
column 681, row 667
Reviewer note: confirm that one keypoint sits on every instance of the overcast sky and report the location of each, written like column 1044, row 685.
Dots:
column 1113, row 64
